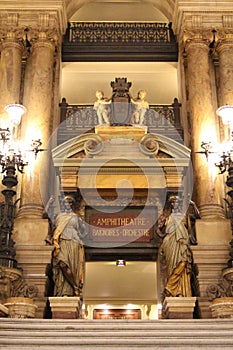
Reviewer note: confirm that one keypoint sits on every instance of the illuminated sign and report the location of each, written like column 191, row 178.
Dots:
column 130, row 224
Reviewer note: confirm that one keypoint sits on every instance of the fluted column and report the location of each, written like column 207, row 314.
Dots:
column 204, row 124
column 38, row 99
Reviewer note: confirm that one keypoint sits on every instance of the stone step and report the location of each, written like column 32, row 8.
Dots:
column 97, row 334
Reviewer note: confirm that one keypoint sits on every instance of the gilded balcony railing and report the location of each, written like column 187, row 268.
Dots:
column 118, row 32
column 119, row 41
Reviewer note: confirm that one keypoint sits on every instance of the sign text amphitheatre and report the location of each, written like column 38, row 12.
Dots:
column 123, row 226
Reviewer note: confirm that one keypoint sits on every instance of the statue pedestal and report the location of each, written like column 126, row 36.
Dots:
column 179, row 307
column 222, row 307
column 66, row 307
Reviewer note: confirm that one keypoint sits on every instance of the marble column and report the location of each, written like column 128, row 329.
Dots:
column 224, row 50
column 225, row 54
column 10, row 77
column 38, row 99
column 30, row 229
column 10, row 70
column 204, row 127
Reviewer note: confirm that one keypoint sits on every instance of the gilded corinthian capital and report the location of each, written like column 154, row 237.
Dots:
column 10, row 34
column 224, row 36
column 47, row 35
column 197, row 36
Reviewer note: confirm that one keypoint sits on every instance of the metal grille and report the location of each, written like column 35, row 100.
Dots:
column 76, row 119
column 115, row 32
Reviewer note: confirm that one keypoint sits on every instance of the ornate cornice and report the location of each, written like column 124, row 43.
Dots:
column 202, row 16
column 40, row 15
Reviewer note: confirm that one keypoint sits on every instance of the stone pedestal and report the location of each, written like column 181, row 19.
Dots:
column 222, row 307
column 33, row 256
column 210, row 256
column 20, row 307
column 179, row 307
column 66, row 307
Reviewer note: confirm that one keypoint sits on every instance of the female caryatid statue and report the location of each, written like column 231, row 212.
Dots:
column 176, row 252
column 68, row 255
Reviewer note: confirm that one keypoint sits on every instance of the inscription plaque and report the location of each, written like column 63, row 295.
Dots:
column 128, row 224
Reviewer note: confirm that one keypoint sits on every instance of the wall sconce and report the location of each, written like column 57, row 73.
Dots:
column 226, row 163
column 206, row 146
column 226, row 113
column 35, row 147
column 11, row 161
column 5, row 135
column 15, row 112
column 120, row 262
